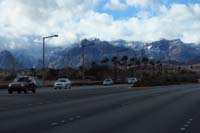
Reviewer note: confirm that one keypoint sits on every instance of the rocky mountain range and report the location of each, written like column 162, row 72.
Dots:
column 172, row 51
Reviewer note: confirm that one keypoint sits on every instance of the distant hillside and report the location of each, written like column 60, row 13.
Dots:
column 171, row 51
column 8, row 61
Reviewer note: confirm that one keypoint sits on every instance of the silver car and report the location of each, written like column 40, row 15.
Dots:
column 108, row 82
column 62, row 83
column 132, row 80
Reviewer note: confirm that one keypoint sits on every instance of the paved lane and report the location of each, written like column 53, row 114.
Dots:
column 116, row 109
column 49, row 95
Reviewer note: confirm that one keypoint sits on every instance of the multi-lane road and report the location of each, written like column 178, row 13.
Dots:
column 97, row 109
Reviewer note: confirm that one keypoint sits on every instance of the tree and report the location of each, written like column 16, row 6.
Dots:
column 115, row 64
column 52, row 74
column 124, row 60
column 159, row 65
column 133, row 60
column 124, row 63
column 152, row 63
column 105, row 61
column 145, row 61
column 115, row 60
column 93, row 64
column 132, row 63
column 138, row 64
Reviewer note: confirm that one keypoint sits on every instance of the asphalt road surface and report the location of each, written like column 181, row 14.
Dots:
column 97, row 109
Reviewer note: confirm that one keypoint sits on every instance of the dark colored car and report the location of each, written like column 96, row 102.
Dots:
column 23, row 83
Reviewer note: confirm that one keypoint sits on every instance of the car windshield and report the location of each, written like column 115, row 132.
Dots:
column 21, row 79
column 62, row 80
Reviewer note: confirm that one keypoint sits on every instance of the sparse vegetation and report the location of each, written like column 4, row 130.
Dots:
column 149, row 72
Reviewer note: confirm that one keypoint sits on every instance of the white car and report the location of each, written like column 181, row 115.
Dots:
column 62, row 83
column 132, row 80
column 108, row 82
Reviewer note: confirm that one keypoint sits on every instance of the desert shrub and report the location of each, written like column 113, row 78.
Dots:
column 10, row 77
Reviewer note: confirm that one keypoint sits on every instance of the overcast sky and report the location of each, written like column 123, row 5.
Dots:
column 135, row 20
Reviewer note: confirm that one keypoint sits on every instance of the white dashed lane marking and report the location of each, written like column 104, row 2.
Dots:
column 71, row 118
column 78, row 116
column 188, row 122
column 182, row 129
column 54, row 124
column 186, row 125
column 64, row 121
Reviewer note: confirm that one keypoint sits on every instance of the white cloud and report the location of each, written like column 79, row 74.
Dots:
column 41, row 17
column 123, row 4
column 74, row 20
column 115, row 5
column 141, row 3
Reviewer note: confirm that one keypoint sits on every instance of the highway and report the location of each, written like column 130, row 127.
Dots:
column 103, row 109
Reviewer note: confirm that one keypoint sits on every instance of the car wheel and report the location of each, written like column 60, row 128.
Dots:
column 55, row 88
column 10, row 91
column 70, row 86
column 33, row 90
column 25, row 91
column 18, row 91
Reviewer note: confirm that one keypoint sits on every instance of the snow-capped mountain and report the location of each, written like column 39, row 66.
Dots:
column 59, row 57
column 96, row 51
column 163, row 50
column 135, row 45
column 172, row 50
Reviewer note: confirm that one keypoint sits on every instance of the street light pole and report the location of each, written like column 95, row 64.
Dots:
column 83, row 56
column 43, row 56
column 43, row 62
column 83, row 65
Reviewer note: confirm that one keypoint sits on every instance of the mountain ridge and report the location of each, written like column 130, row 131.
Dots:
column 60, row 57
